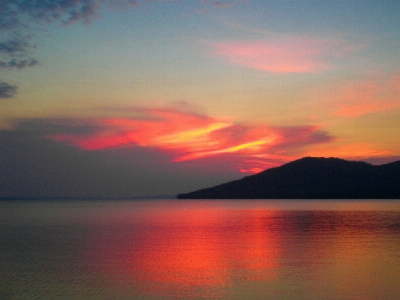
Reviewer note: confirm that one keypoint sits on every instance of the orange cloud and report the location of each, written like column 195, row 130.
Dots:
column 357, row 98
column 289, row 55
column 366, row 97
column 188, row 136
column 158, row 128
column 359, row 151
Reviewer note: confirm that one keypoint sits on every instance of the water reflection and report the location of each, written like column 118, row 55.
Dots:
column 209, row 251
column 199, row 250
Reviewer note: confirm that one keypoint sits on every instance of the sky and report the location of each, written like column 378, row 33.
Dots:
column 124, row 98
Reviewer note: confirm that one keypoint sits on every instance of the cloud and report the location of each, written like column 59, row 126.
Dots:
column 356, row 151
column 359, row 97
column 18, row 64
column 7, row 90
column 187, row 136
column 15, row 13
column 222, row 4
column 154, row 151
column 362, row 98
column 285, row 55
column 33, row 165
column 19, row 13
column 20, row 20
column 15, row 51
column 13, row 47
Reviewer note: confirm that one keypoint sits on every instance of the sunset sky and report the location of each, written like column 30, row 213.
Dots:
column 120, row 98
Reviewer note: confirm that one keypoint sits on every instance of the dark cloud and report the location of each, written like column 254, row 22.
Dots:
column 223, row 4
column 18, row 64
column 16, row 13
column 34, row 166
column 49, row 126
column 13, row 47
column 7, row 90
column 21, row 19
column 298, row 136
column 15, row 52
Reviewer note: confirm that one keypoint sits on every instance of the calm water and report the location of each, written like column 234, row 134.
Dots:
column 177, row 249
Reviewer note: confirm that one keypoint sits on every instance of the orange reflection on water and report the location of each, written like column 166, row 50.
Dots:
column 233, row 250
column 206, row 251
column 197, row 251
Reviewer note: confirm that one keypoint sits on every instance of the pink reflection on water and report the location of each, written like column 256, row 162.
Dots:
column 197, row 251
column 245, row 250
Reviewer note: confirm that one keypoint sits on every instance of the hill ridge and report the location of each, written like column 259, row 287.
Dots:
column 312, row 178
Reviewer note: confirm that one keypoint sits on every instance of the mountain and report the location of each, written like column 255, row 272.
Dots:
column 312, row 178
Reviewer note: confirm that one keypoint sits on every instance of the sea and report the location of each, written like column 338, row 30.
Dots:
column 200, row 249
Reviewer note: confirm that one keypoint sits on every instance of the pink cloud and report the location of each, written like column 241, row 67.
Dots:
column 187, row 136
column 357, row 98
column 289, row 55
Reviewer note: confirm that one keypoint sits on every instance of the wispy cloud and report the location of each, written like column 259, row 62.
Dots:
column 13, row 47
column 221, row 4
column 18, row 64
column 62, row 167
column 187, row 136
column 356, row 151
column 284, row 55
column 359, row 97
column 7, row 90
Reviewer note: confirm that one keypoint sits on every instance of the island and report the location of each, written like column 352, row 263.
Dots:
column 312, row 178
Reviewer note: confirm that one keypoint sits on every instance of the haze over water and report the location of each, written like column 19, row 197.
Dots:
column 240, row 249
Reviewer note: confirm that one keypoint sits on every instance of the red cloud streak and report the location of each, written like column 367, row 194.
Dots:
column 188, row 136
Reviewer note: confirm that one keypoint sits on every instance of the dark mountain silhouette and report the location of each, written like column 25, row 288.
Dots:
column 312, row 178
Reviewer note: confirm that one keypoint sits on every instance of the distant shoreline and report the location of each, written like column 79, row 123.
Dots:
column 157, row 197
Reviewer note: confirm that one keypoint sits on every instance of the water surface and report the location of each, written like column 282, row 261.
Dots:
column 178, row 249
